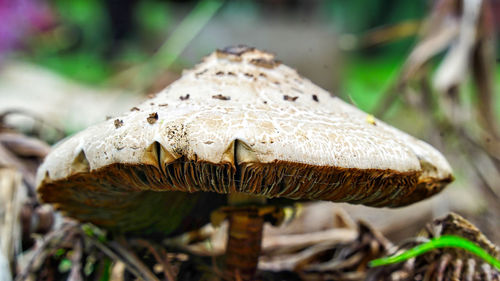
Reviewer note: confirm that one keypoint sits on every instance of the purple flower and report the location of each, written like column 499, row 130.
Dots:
column 19, row 19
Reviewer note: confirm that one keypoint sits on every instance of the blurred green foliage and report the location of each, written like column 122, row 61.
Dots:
column 106, row 275
column 153, row 16
column 74, row 48
column 89, row 16
column 64, row 265
column 82, row 66
column 82, row 47
column 497, row 89
column 366, row 80
column 359, row 16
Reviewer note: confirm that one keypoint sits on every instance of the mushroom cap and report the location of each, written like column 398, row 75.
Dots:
column 239, row 121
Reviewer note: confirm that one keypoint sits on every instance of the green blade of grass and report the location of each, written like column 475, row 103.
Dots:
column 169, row 51
column 445, row 241
column 189, row 27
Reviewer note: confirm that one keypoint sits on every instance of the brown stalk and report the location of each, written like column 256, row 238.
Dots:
column 244, row 243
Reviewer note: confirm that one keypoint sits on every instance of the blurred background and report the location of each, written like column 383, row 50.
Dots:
column 426, row 67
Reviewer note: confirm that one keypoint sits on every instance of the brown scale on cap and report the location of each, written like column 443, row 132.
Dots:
column 235, row 50
column 201, row 72
column 235, row 53
column 118, row 123
column 152, row 118
column 221, row 97
column 289, row 98
column 265, row 63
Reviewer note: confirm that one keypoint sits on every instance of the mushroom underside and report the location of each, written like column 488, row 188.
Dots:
column 110, row 196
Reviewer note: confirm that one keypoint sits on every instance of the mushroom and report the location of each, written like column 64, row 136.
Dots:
column 243, row 124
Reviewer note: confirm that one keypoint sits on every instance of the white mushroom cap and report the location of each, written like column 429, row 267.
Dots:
column 241, row 121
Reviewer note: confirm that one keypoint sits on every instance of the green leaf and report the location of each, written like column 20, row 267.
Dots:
column 445, row 241
column 64, row 265
column 59, row 252
column 366, row 79
column 106, row 272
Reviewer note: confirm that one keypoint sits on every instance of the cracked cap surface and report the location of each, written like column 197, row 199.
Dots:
column 241, row 121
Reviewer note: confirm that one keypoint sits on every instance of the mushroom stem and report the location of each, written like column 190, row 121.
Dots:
column 244, row 242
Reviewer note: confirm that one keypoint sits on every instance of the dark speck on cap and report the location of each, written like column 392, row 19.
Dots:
column 289, row 98
column 153, row 117
column 118, row 123
column 267, row 63
column 236, row 50
column 221, row 97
